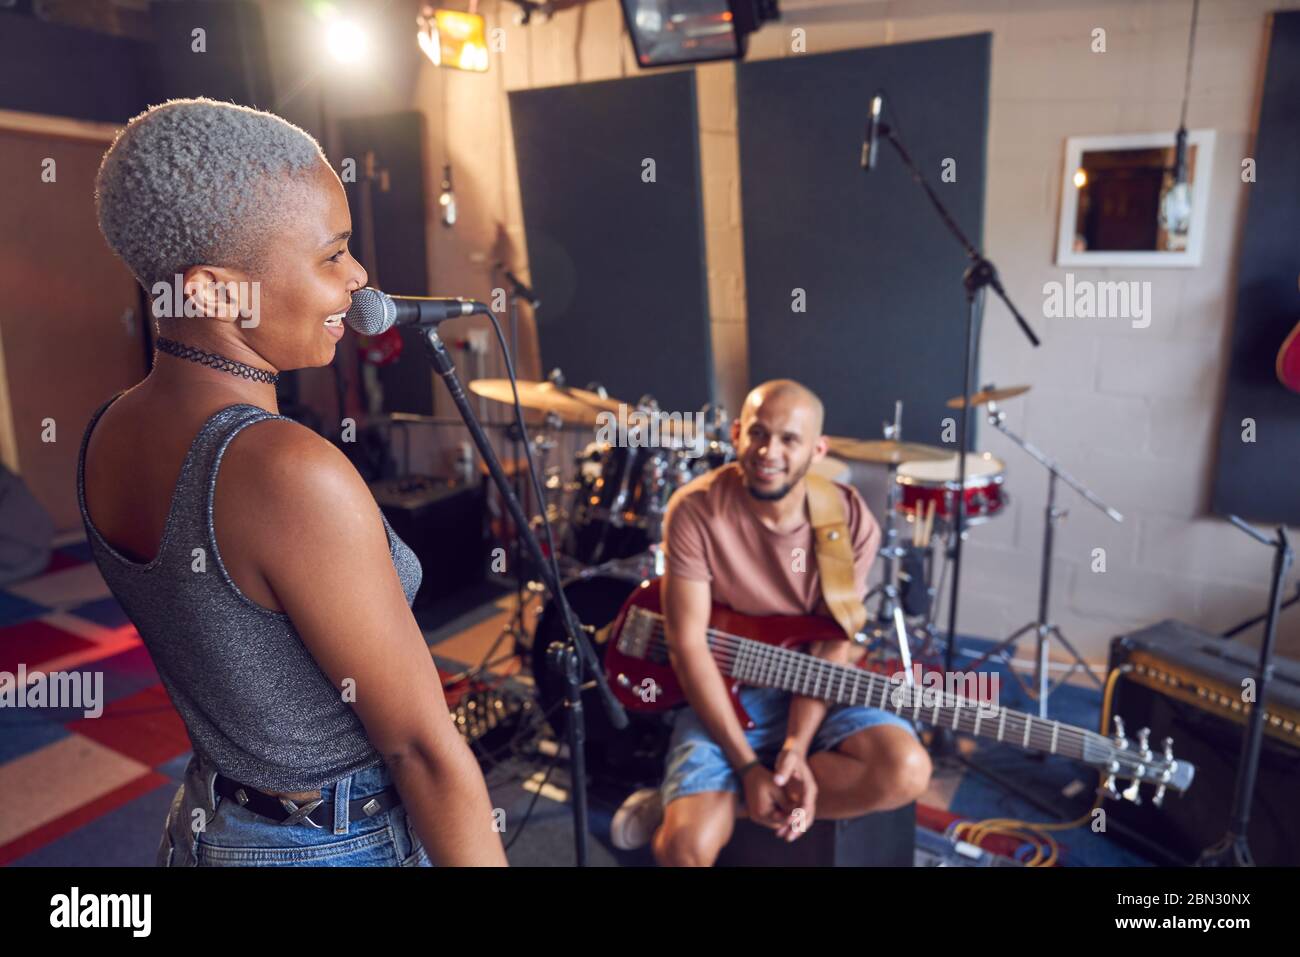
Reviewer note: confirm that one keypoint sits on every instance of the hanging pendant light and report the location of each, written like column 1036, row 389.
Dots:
column 1176, row 202
column 447, row 199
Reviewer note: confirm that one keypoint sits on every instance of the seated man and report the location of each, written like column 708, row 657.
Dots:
column 741, row 536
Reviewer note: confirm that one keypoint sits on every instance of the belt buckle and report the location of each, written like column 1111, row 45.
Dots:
column 299, row 815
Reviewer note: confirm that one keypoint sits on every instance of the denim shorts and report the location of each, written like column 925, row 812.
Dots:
column 695, row 763
column 204, row 829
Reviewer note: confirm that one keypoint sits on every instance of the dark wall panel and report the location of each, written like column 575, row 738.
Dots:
column 63, row 71
column 618, row 262
column 69, row 71
column 398, row 263
column 236, row 63
column 1260, row 480
column 881, row 274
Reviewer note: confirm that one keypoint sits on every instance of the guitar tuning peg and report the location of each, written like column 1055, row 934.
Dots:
column 1159, row 798
column 1108, row 788
column 1133, row 792
column 1144, row 738
column 1120, row 740
column 1169, row 749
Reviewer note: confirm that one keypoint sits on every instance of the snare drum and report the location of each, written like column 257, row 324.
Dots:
column 926, row 482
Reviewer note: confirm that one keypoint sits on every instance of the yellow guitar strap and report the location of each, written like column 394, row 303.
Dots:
column 834, row 548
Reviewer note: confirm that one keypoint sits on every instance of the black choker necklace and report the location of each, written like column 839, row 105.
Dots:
column 214, row 361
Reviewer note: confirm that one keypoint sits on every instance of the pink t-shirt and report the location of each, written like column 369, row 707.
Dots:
column 711, row 535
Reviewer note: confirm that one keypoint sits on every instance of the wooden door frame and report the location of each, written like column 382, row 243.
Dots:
column 37, row 124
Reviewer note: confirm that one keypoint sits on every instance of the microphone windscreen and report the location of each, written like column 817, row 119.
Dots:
column 372, row 312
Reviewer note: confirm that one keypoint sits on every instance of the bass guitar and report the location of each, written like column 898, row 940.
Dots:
column 764, row 652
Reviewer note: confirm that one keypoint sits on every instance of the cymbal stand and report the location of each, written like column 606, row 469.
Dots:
column 939, row 557
column 889, row 617
column 530, row 589
column 1043, row 627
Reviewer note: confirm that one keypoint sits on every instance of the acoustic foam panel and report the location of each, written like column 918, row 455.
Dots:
column 399, row 262
column 880, row 275
column 617, row 261
column 1260, row 480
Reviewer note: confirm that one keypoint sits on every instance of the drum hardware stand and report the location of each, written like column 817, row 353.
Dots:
column 979, row 276
column 544, row 443
column 515, row 628
column 1043, row 627
column 889, row 616
column 927, row 628
column 1233, row 849
column 577, row 657
column 614, row 513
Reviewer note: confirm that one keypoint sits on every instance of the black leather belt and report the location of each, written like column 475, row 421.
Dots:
column 315, row 813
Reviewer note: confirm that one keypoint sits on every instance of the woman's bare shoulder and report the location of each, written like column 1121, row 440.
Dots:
column 286, row 480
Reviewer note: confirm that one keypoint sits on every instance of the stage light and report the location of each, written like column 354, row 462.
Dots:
column 666, row 32
column 453, row 38
column 345, row 41
column 1080, row 178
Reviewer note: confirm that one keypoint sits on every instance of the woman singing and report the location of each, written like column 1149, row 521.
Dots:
column 268, row 587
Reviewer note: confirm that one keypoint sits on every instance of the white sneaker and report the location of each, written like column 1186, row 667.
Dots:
column 636, row 820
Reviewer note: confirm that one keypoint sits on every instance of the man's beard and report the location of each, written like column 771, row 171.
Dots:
column 783, row 491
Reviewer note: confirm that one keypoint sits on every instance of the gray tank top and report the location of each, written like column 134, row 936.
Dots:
column 253, row 699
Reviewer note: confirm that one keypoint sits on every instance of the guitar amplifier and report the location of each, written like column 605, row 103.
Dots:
column 443, row 524
column 1189, row 685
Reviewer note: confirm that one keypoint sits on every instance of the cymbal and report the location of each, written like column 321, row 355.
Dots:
column 885, row 451
column 990, row 395
column 829, row 467
column 605, row 404
column 570, row 404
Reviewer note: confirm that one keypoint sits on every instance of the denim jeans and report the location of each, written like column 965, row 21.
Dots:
column 204, row 829
column 696, row 763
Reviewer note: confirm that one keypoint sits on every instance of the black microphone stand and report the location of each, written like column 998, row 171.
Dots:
column 1233, row 849
column 516, row 628
column 577, row 658
column 979, row 276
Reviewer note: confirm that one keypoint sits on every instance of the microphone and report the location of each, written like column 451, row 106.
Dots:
column 872, row 137
column 374, row 312
column 521, row 289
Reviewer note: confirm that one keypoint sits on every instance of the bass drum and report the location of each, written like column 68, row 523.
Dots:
column 633, row 757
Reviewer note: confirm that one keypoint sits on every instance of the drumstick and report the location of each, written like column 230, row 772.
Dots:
column 929, row 523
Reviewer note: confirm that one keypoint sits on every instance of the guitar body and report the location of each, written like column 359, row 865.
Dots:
column 1288, row 361
column 648, row 683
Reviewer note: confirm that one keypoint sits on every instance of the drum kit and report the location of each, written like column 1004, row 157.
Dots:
column 606, row 512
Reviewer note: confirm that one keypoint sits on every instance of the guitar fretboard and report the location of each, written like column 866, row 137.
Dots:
column 763, row 665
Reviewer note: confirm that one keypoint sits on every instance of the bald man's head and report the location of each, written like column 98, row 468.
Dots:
column 778, row 436
column 787, row 392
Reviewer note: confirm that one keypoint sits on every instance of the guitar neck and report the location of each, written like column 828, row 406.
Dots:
column 768, row 666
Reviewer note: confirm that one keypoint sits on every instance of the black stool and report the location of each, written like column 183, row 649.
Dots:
column 883, row 839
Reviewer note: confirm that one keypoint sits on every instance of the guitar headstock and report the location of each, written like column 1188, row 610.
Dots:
column 1133, row 760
